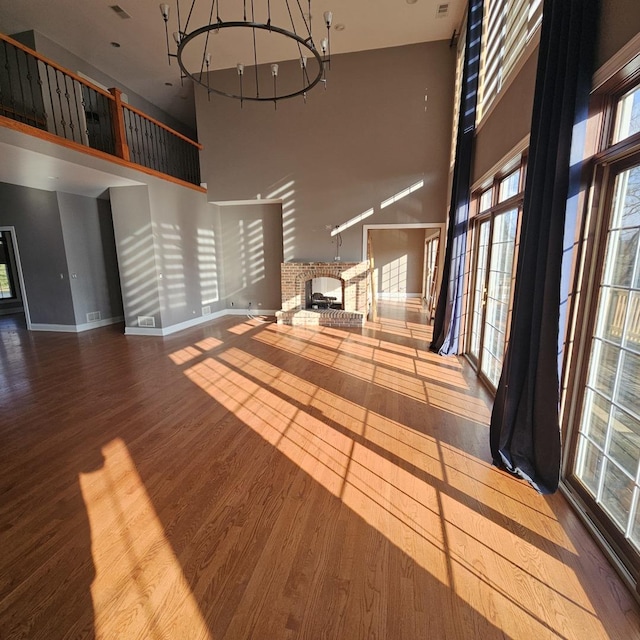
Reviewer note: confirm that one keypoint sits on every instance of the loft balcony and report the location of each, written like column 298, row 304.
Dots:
column 42, row 98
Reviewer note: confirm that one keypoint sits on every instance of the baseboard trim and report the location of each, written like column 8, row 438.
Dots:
column 75, row 328
column 189, row 324
column 397, row 296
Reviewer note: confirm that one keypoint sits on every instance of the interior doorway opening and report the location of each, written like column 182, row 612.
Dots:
column 13, row 297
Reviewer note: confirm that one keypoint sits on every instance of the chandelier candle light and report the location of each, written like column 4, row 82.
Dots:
column 212, row 34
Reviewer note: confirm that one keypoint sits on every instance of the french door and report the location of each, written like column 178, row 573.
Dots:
column 605, row 467
column 491, row 297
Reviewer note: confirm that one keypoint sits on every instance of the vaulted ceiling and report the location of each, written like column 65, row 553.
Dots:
column 88, row 28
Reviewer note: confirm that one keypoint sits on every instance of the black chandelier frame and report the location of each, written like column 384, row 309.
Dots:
column 307, row 43
column 183, row 39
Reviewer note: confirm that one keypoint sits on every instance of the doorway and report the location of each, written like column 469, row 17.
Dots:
column 13, row 297
column 495, row 240
column 403, row 263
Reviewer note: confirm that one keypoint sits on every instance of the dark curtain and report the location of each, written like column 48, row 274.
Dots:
column 446, row 322
column 525, row 430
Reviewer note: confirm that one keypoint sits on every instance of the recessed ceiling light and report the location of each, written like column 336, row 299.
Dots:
column 340, row 27
column 168, row 84
column 411, row 1
column 115, row 45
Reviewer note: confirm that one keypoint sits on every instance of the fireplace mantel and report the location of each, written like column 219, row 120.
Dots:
column 294, row 276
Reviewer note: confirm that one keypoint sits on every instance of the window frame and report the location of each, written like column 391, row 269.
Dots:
column 600, row 170
column 476, row 218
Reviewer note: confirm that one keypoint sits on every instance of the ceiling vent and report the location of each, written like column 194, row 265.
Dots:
column 442, row 11
column 120, row 11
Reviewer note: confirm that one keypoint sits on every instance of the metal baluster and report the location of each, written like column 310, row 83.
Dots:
column 2, row 107
column 12, row 100
column 149, row 142
column 129, row 129
column 183, row 159
column 30, row 64
column 72, row 126
column 59, row 92
column 158, row 143
column 51, row 102
column 139, row 138
column 106, row 129
column 24, row 114
column 84, row 110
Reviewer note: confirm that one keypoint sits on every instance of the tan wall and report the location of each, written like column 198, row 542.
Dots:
column 619, row 23
column 399, row 259
column 509, row 121
column 344, row 152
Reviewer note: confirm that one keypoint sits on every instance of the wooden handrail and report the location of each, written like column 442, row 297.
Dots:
column 160, row 124
column 116, row 105
column 55, row 65
column 90, row 84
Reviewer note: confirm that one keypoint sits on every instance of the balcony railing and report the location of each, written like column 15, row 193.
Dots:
column 40, row 93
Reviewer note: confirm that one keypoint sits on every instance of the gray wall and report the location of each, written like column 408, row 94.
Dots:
column 252, row 255
column 169, row 255
column 36, row 218
column 399, row 259
column 348, row 149
column 91, row 256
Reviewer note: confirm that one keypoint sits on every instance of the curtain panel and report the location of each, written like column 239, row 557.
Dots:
column 446, row 323
column 525, row 429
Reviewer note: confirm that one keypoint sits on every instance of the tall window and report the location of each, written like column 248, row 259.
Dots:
column 495, row 228
column 509, row 25
column 604, row 469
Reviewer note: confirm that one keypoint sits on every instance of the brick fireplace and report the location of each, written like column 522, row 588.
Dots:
column 294, row 278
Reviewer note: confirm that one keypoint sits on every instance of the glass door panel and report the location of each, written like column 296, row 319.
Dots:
column 608, row 444
column 498, row 296
column 479, row 291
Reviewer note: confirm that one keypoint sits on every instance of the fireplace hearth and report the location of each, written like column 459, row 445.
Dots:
column 302, row 306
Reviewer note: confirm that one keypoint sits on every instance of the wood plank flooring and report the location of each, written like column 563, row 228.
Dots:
column 247, row 481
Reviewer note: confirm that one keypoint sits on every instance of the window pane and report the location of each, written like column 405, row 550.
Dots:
column 627, row 200
column 509, row 186
column 632, row 330
column 629, row 382
column 627, row 116
column 617, row 493
column 612, row 314
column 485, row 200
column 589, row 465
column 625, row 441
column 596, row 412
column 621, row 258
column 604, row 367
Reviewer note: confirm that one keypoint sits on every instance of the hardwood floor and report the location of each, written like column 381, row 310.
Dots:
column 244, row 480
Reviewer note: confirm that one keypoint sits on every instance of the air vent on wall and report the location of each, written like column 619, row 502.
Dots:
column 94, row 316
column 146, row 321
column 442, row 10
column 120, row 11
column 206, row 310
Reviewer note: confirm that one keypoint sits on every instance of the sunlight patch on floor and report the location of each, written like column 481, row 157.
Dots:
column 137, row 574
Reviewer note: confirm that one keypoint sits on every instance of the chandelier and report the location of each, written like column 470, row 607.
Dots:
column 275, row 62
